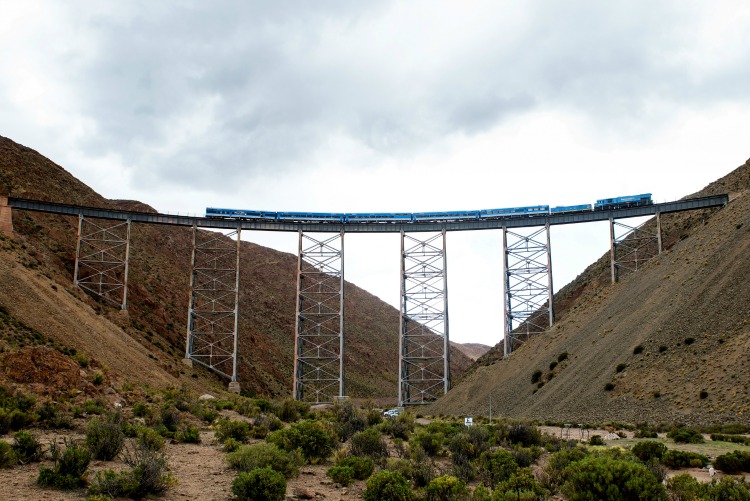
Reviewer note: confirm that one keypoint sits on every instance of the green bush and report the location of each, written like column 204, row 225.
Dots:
column 348, row 419
column 260, row 484
column 496, row 467
column 190, row 434
column 734, row 462
column 26, row 447
column 536, row 376
column 104, row 438
column 362, row 467
column 596, row 440
column 314, row 441
column 343, row 475
column 141, row 409
column 147, row 475
column 230, row 428
column 562, row 356
column 525, row 456
column 683, row 459
column 401, row 426
column 645, row 433
column 369, row 443
column 685, row 436
column 685, row 487
column 292, row 410
column 649, row 449
column 728, row 489
column 606, row 478
column 263, row 455
column 737, row 439
column 93, row 407
column 447, row 488
column 388, row 486
column 524, row 434
column 520, row 485
column 553, row 473
column 150, row 439
column 231, row 445
column 4, row 421
column 431, row 442
column 70, row 466
column 7, row 456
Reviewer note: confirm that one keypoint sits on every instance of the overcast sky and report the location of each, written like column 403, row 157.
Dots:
column 385, row 106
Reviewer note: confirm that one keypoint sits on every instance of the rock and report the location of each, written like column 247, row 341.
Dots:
column 303, row 493
column 109, row 391
column 206, row 396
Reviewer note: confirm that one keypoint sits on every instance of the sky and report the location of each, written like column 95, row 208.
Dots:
column 360, row 106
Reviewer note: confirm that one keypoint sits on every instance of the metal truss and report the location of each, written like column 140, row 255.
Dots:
column 528, row 285
column 633, row 247
column 319, row 339
column 424, row 350
column 214, row 301
column 102, row 255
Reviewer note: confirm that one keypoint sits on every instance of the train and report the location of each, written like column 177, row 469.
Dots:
column 418, row 217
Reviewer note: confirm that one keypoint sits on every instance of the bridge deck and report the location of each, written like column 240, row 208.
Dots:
column 511, row 222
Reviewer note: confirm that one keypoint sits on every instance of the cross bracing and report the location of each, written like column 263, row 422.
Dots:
column 633, row 246
column 424, row 355
column 528, row 285
column 213, row 310
column 102, row 255
column 319, row 338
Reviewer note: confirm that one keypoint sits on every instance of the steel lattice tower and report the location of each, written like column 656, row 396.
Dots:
column 633, row 247
column 424, row 349
column 319, row 339
column 214, row 300
column 528, row 285
column 102, row 256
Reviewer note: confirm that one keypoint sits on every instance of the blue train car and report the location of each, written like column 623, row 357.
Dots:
column 623, row 202
column 214, row 212
column 317, row 217
column 570, row 208
column 378, row 217
column 532, row 210
column 459, row 215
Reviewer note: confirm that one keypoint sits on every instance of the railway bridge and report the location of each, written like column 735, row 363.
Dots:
column 103, row 252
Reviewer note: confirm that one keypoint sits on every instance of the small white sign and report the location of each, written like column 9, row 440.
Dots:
column 469, row 421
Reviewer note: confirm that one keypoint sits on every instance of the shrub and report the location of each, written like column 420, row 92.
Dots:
column 313, row 440
column 685, row 487
column 388, row 486
column 26, row 447
column 291, row 410
column 524, row 434
column 638, row 349
column 94, row 407
column 447, row 488
column 20, row 419
column 463, row 451
column 536, row 376
column 689, row 341
column 729, row 489
column 431, row 442
column 683, row 459
column 348, row 419
column 7, row 456
column 231, row 445
column 400, row 427
column 104, row 438
column 361, row 467
column 648, row 450
column 520, row 485
column 596, row 440
column 607, row 478
column 260, row 484
column 141, row 409
column 703, row 394
column 343, row 475
column 230, row 428
column 147, row 475
column 558, row 462
column 737, row 439
column 189, row 435
column 525, row 456
column 70, row 466
column 621, row 367
column 734, row 462
column 263, row 455
column 644, row 433
column 609, row 386
column 369, row 443
column 562, row 356
column 685, row 436
column 150, row 439
column 496, row 466
column 552, row 365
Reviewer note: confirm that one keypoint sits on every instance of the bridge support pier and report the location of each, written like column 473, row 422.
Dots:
column 213, row 311
column 633, row 247
column 424, row 347
column 319, row 338
column 102, row 259
column 6, row 217
column 527, row 263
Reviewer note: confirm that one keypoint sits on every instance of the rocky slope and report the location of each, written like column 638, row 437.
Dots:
column 667, row 343
column 43, row 251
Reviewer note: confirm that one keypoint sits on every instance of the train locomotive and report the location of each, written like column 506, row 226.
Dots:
column 409, row 217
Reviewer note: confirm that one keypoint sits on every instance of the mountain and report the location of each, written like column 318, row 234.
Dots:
column 668, row 343
column 147, row 342
column 472, row 350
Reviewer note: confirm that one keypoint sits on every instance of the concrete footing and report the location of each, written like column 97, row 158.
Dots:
column 234, row 387
column 188, row 362
column 6, row 220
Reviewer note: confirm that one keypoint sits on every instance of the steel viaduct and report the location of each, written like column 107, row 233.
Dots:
column 102, row 260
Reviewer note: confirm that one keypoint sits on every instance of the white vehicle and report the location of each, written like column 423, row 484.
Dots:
column 392, row 412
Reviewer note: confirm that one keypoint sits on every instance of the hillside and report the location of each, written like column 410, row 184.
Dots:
column 669, row 342
column 41, row 258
